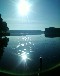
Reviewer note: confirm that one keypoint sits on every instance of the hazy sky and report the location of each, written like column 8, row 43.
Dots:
column 43, row 13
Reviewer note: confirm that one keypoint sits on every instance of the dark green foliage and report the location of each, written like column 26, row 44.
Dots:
column 3, row 44
column 4, row 30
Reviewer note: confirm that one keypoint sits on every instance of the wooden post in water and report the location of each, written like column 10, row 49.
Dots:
column 40, row 63
column 40, row 66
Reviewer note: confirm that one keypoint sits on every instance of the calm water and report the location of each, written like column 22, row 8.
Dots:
column 22, row 53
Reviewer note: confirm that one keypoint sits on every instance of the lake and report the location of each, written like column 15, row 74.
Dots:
column 21, row 54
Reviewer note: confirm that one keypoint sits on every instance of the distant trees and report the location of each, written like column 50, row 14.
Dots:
column 4, row 30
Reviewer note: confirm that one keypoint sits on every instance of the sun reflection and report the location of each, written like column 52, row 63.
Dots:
column 26, row 43
column 33, row 43
column 19, row 53
column 23, row 38
column 31, row 51
column 27, row 38
column 18, row 46
column 29, row 42
column 22, row 44
column 19, row 50
column 24, row 56
column 27, row 53
column 24, row 49
column 24, row 52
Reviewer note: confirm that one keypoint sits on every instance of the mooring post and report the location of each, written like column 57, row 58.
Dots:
column 40, row 63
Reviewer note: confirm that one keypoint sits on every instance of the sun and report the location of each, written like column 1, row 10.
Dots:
column 23, row 7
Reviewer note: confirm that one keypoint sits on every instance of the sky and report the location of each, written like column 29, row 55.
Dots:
column 42, row 14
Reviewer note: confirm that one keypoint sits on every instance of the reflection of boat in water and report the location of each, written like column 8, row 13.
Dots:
column 52, row 32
